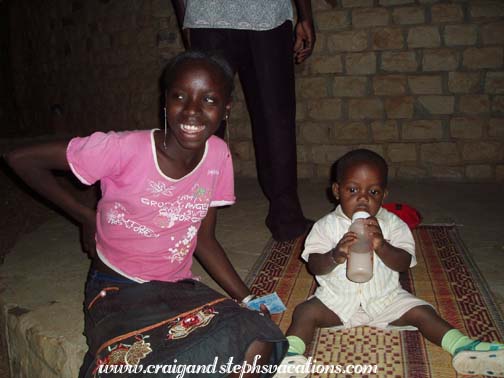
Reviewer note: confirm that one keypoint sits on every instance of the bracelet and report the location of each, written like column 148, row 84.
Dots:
column 332, row 256
column 247, row 299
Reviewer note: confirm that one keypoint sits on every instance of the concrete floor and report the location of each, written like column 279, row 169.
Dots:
column 42, row 279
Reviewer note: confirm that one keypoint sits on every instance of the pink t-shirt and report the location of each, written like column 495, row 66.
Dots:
column 147, row 222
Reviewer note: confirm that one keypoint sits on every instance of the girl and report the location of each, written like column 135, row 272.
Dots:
column 160, row 190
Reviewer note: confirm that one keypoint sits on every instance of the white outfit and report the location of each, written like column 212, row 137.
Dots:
column 377, row 302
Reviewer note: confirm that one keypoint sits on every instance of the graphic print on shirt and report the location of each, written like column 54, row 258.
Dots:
column 117, row 216
column 185, row 208
column 190, row 208
column 160, row 188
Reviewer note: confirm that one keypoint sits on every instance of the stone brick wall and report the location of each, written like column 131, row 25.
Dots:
column 419, row 81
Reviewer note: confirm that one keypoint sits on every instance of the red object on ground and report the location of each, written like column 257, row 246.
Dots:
column 407, row 213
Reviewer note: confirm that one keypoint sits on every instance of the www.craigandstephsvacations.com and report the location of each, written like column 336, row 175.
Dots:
column 229, row 366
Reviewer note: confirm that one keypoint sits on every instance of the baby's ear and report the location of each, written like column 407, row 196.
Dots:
column 335, row 190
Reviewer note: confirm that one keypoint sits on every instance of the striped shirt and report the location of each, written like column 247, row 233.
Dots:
column 237, row 14
column 343, row 296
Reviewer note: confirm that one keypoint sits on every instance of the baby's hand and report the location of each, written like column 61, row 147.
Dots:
column 340, row 252
column 375, row 233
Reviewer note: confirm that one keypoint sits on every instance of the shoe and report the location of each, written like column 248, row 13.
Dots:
column 290, row 367
column 469, row 361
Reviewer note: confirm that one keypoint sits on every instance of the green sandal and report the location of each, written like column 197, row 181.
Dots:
column 469, row 361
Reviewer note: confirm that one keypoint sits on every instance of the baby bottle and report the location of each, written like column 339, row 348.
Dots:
column 360, row 254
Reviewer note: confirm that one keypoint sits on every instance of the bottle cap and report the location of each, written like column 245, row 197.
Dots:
column 360, row 215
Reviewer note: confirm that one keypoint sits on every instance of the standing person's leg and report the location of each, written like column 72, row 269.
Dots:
column 267, row 77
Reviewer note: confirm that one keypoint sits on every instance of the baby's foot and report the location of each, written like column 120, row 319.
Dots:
column 479, row 358
column 291, row 367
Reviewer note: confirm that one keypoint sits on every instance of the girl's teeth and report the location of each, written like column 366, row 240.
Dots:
column 192, row 128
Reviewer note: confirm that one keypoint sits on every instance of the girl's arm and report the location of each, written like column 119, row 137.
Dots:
column 211, row 255
column 34, row 165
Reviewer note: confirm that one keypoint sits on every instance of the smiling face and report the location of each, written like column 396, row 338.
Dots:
column 197, row 100
column 361, row 188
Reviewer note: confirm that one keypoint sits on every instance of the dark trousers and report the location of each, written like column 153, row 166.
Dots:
column 264, row 63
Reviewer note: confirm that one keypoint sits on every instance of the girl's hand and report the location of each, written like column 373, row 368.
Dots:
column 340, row 252
column 375, row 233
column 264, row 311
column 88, row 232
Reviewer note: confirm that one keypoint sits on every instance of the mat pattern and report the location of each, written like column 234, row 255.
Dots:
column 445, row 276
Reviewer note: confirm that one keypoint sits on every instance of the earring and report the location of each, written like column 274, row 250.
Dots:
column 226, row 120
column 165, row 129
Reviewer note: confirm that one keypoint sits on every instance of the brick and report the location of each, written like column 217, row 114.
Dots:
column 402, row 152
column 311, row 87
column 303, row 153
column 440, row 60
column 387, row 39
column 499, row 173
column 482, row 151
column 387, row 3
column 301, row 111
column 466, row 127
column 365, row 108
column 328, row 153
column 442, row 13
column 320, row 45
column 326, row 64
column 439, row 153
column 354, row 40
column 494, row 82
column 356, row 3
column 332, row 20
column 408, row 15
column 389, row 85
column 305, row 171
column 378, row 148
column 496, row 128
column 492, row 34
column 384, row 131
column 425, row 84
column 437, row 104
column 399, row 107
column 360, row 63
column 367, row 17
column 486, row 57
column 314, row 133
column 460, row 35
column 241, row 150
column 247, row 169
column 325, row 109
column 479, row 172
column 350, row 131
column 487, row 9
column 474, row 104
column 318, row 5
column 408, row 173
column 422, row 130
column 498, row 104
column 350, row 86
column 399, row 61
column 464, row 82
column 451, row 173
column 424, row 36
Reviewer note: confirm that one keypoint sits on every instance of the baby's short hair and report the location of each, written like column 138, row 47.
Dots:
column 359, row 156
column 212, row 57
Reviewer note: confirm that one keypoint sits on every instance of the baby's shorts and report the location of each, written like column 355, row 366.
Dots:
column 402, row 303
